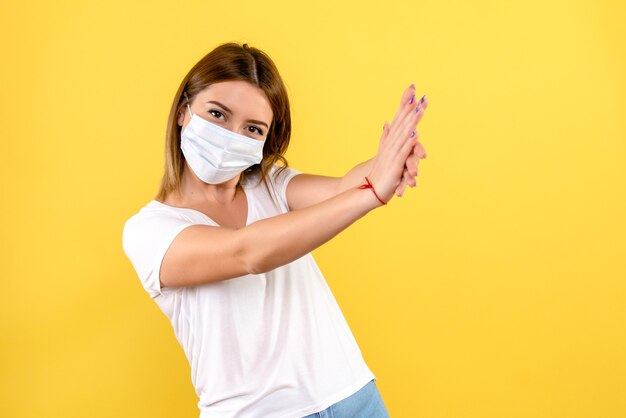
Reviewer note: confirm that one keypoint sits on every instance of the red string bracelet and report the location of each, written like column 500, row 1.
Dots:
column 369, row 186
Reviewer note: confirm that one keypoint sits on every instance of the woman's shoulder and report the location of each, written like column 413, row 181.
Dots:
column 276, row 181
column 156, row 215
column 155, row 209
column 277, row 176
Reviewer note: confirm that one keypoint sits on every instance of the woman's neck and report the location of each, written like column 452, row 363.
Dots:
column 193, row 190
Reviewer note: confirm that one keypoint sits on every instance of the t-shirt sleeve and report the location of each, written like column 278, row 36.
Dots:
column 145, row 239
column 280, row 180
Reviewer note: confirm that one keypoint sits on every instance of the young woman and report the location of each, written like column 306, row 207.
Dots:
column 224, row 248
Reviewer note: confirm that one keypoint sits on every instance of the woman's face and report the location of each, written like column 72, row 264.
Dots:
column 238, row 106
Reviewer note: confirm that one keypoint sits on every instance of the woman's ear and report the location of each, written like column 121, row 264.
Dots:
column 181, row 116
column 183, row 109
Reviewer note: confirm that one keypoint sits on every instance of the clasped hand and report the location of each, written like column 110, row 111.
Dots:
column 399, row 151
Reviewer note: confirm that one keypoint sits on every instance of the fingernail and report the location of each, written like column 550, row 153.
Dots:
column 417, row 109
column 412, row 99
column 412, row 134
column 422, row 99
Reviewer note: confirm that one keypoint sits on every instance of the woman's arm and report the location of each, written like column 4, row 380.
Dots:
column 305, row 190
column 202, row 254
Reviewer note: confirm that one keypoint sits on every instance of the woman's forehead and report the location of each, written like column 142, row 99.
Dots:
column 239, row 96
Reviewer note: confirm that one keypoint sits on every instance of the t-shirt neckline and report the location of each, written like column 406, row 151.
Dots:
column 246, row 193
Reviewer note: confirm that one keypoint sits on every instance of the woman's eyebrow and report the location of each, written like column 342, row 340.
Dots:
column 223, row 106
column 258, row 122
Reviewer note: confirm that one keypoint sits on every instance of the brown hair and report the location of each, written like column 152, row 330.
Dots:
column 227, row 62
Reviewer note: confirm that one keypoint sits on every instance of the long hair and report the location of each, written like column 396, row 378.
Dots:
column 228, row 62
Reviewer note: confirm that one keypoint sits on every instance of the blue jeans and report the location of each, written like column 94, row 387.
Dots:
column 365, row 403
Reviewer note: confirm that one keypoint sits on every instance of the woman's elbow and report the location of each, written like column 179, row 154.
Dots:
column 251, row 258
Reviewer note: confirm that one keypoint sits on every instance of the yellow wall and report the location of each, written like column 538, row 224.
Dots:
column 496, row 288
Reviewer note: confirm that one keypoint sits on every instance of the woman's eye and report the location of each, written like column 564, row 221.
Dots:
column 216, row 113
column 252, row 129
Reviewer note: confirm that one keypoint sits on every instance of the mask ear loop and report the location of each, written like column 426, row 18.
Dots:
column 187, row 100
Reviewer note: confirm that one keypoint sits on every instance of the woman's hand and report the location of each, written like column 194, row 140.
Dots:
column 419, row 152
column 410, row 170
column 395, row 164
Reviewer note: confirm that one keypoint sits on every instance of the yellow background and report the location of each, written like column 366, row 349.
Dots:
column 496, row 288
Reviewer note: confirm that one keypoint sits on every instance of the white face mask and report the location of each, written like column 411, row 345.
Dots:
column 216, row 154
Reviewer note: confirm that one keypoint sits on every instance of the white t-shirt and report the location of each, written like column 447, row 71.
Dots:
column 270, row 345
